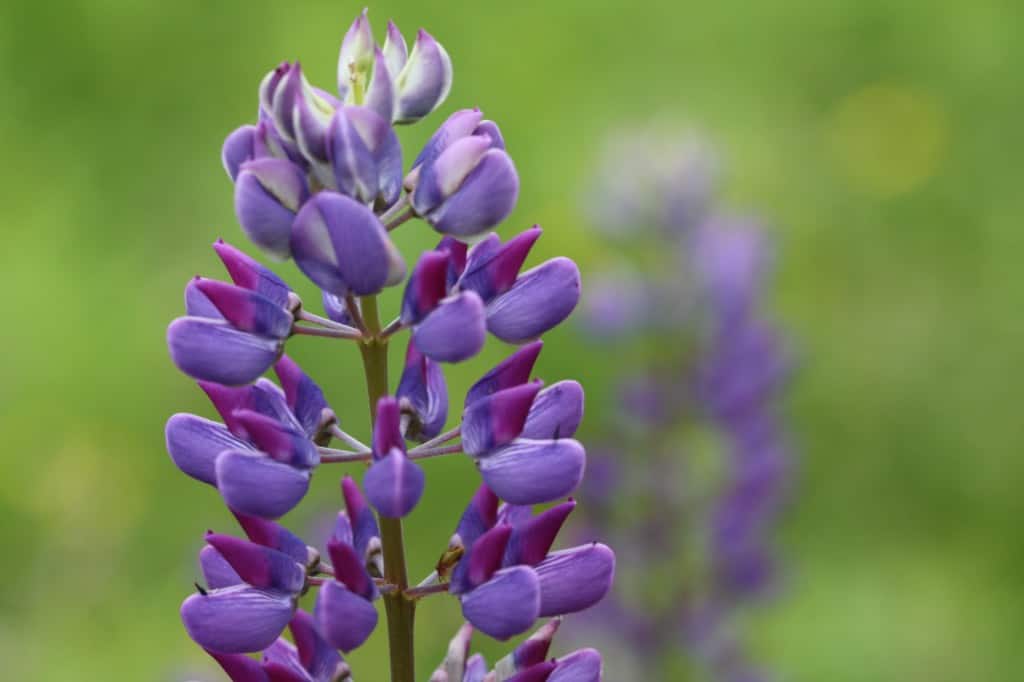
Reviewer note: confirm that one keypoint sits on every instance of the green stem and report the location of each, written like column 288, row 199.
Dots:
column 400, row 611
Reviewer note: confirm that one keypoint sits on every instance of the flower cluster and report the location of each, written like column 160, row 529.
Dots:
column 320, row 179
column 703, row 413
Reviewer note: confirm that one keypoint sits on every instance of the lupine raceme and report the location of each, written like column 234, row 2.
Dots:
column 701, row 410
column 319, row 178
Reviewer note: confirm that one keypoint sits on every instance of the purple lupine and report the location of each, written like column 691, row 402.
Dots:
column 729, row 366
column 319, row 178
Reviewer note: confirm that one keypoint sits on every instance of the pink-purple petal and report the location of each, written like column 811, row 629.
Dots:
column 540, row 299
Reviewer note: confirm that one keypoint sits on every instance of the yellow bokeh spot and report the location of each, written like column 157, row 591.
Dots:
column 888, row 139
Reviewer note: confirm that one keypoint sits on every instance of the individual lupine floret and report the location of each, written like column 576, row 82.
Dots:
column 364, row 156
column 342, row 246
column 505, row 567
column 344, row 611
column 247, row 616
column 260, row 458
column 463, row 182
column 444, row 328
column 500, row 410
column 422, row 396
column 520, row 306
column 365, row 531
column 393, row 483
column 233, row 333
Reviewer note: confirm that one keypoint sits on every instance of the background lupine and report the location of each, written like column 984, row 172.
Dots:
column 319, row 178
column 710, row 463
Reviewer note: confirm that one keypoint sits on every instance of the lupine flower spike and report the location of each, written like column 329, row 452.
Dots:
column 319, row 178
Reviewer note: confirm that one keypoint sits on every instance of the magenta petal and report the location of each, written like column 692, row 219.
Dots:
column 343, row 617
column 320, row 659
column 427, row 285
column 240, row 668
column 305, row 398
column 274, row 535
column 394, row 484
column 236, row 620
column 532, row 540
column 282, row 442
column 583, row 665
column 479, row 516
column 574, row 579
column 194, row 443
column 497, row 419
column 365, row 532
column 260, row 566
column 216, row 570
column 387, row 432
column 535, row 673
column 249, row 273
column 483, row 559
column 556, row 412
column 534, row 649
column 512, row 371
column 496, row 273
column 215, row 351
column 350, row 569
column 540, row 299
column 454, row 331
column 247, row 310
column 506, row 605
column 257, row 485
column 196, row 302
column 534, row 471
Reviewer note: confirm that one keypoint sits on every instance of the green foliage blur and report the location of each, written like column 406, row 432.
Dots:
column 877, row 138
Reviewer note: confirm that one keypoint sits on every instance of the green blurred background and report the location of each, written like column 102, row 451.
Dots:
column 879, row 139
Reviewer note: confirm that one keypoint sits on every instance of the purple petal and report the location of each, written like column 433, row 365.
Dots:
column 365, row 532
column 425, row 80
column 336, row 308
column 343, row 617
column 479, row 516
column 268, row 193
column 426, row 286
column 238, row 148
column 285, row 671
column 258, row 485
column 380, row 95
column 194, row 443
column 458, row 125
column 512, row 371
column 277, row 440
column 342, row 246
column 531, row 541
column 396, row 52
column 322, row 661
column 248, row 273
column 196, row 302
column 476, row 669
column 442, row 178
column 579, row 666
column 356, row 51
column 273, row 535
column 423, row 396
column 382, row 142
column 247, row 310
column 497, row 419
column 354, row 165
column 312, row 117
column 534, row 649
column 350, row 570
column 506, row 605
column 534, row 471
column 216, row 570
column 535, row 673
column 491, row 130
column 215, row 351
column 394, row 484
column 485, row 198
column 454, row 331
column 387, row 432
column 453, row 666
column 539, row 300
column 261, row 397
column 285, row 93
column 260, row 566
column 556, row 412
column 236, row 620
column 457, row 252
column 574, row 579
column 495, row 274
column 239, row 667
column 342, row 531
column 305, row 398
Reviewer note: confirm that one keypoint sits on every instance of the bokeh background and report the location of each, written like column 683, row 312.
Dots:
column 880, row 140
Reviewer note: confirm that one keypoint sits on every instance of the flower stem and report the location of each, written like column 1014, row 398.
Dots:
column 400, row 610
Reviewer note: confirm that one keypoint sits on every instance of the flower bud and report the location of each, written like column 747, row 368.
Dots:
column 247, row 310
column 425, row 79
column 238, row 148
column 268, row 194
column 249, row 273
column 497, row 419
column 365, row 156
